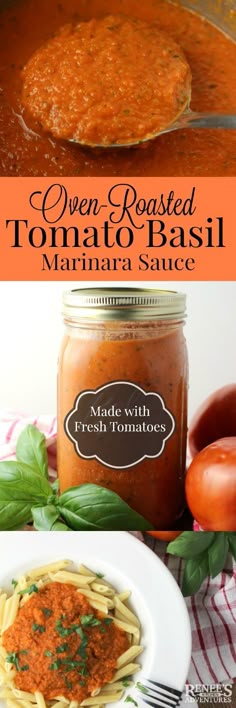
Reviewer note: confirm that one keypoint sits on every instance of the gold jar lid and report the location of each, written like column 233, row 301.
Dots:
column 101, row 304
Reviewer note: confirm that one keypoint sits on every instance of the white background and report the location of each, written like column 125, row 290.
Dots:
column 31, row 329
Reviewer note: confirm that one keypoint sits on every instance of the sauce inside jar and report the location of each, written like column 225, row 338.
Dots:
column 136, row 337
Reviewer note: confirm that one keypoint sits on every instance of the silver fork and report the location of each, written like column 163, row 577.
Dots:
column 158, row 694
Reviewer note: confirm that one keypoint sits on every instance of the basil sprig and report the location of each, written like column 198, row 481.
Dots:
column 26, row 496
column 204, row 554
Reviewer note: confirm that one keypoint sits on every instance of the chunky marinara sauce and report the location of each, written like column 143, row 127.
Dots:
column 152, row 356
column 82, row 85
column 210, row 54
column 60, row 646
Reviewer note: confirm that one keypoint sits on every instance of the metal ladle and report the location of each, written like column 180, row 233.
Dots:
column 185, row 119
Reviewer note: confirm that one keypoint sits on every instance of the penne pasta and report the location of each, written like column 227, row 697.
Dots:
column 24, row 695
column 128, row 655
column 40, row 700
column 10, row 611
column 116, row 686
column 99, row 700
column 46, row 569
column 127, row 614
column 101, row 596
column 127, row 670
column 126, row 626
column 123, row 596
column 3, row 598
column 102, row 589
column 99, row 606
column 95, row 596
column 85, row 571
column 64, row 576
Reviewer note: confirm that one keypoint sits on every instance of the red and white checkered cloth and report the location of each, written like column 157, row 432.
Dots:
column 212, row 610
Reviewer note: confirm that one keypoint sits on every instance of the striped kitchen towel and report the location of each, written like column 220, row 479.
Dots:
column 12, row 424
column 212, row 610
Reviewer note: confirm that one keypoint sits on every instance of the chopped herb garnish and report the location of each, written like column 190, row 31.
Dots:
column 82, row 648
column 89, row 621
column 129, row 699
column 62, row 648
column 62, row 631
column 68, row 683
column 126, row 681
column 55, row 665
column 81, row 634
column 141, row 687
column 82, row 682
column 29, row 591
column 14, row 582
column 100, row 575
column 38, row 628
column 46, row 612
column 48, row 653
column 84, row 671
column 14, row 659
column 108, row 620
column 24, row 651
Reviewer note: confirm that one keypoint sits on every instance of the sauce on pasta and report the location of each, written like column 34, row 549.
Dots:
column 210, row 54
column 59, row 645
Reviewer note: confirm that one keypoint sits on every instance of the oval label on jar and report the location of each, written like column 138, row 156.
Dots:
column 119, row 424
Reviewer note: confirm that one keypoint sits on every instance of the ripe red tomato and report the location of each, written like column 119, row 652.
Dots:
column 165, row 535
column 210, row 486
column 214, row 419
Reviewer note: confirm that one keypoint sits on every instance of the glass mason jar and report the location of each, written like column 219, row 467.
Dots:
column 122, row 397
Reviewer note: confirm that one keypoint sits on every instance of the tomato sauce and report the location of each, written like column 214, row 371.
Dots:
column 154, row 358
column 59, row 645
column 82, row 85
column 210, row 54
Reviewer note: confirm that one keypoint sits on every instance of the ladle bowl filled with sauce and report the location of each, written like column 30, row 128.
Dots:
column 175, row 42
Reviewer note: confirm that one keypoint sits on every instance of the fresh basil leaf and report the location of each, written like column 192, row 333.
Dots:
column 55, row 486
column 20, row 482
column 217, row 553
column 196, row 570
column 191, row 543
column 60, row 526
column 232, row 543
column 44, row 517
column 31, row 449
column 14, row 514
column 90, row 507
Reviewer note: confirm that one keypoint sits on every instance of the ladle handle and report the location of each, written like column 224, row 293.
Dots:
column 206, row 120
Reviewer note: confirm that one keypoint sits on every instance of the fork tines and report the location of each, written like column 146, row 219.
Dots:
column 158, row 694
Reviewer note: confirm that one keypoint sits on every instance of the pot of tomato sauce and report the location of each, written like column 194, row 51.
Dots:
column 205, row 31
column 122, row 397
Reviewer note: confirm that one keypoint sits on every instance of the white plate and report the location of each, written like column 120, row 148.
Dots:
column 127, row 563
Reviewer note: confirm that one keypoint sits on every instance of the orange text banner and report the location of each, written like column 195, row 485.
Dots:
column 124, row 229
